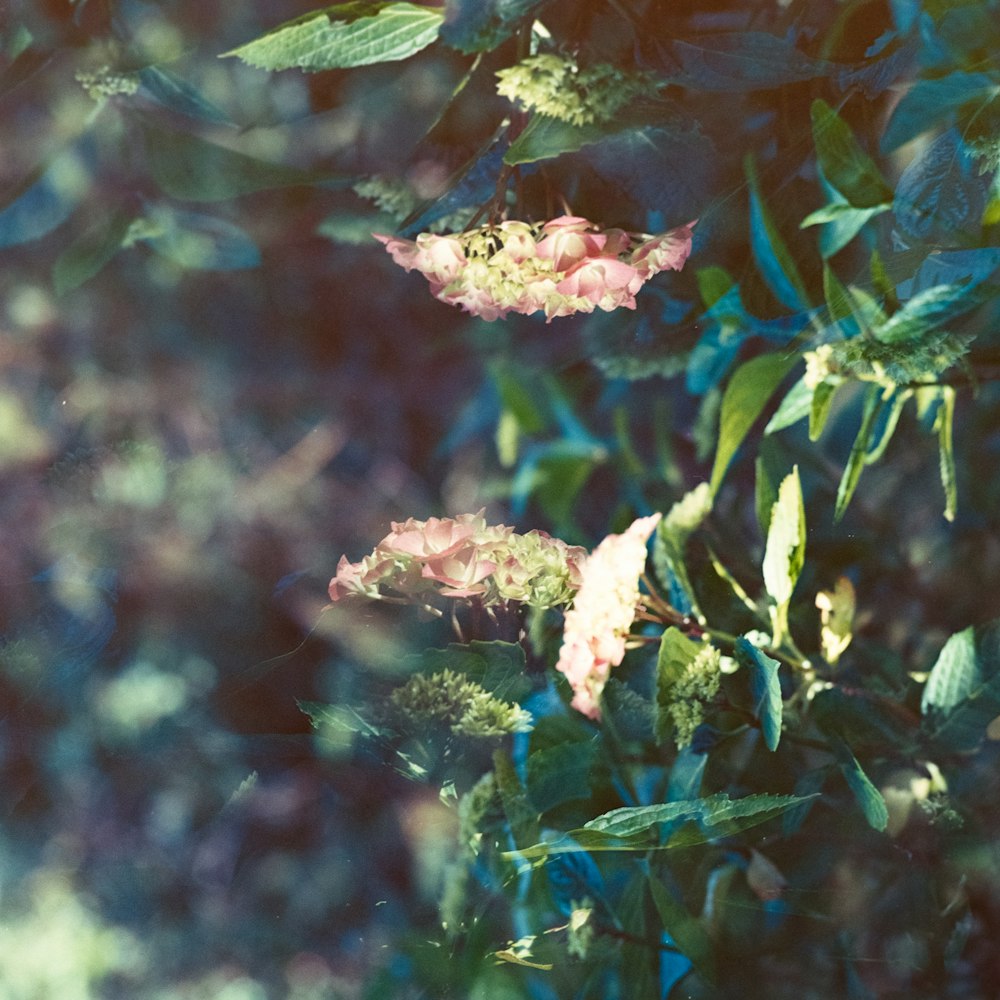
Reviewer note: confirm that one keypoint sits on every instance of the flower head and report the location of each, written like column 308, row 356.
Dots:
column 598, row 623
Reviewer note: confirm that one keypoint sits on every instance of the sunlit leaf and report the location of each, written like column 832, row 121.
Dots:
column 930, row 309
column 351, row 34
column 796, row 406
column 784, row 554
column 944, row 423
column 765, row 688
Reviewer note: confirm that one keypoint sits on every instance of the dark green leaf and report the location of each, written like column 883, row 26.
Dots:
column 751, row 386
column 859, row 450
column 821, row 403
column 559, row 774
column 480, row 25
column 351, row 34
column 86, row 256
column 497, row 666
column 962, row 695
column 765, row 689
column 845, row 165
column 868, row 797
column 521, row 814
column 544, row 138
column 685, row 930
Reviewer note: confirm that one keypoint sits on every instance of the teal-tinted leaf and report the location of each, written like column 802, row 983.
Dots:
column 351, row 34
column 192, row 169
column 497, row 666
column 559, row 774
column 784, row 553
column 200, row 242
column 685, row 930
column 86, row 256
column 886, row 425
column 859, row 450
column 944, row 423
column 716, row 816
column 178, row 95
column 841, row 222
column 962, row 694
column 765, row 688
column 807, row 788
column 929, row 102
column 739, row 61
column 480, row 25
column 821, row 403
column 672, row 533
column 676, row 652
column 751, row 386
column 930, row 309
column 544, row 138
column 796, row 406
column 686, row 775
column 845, row 165
column 46, row 202
column 868, row 797
column 769, row 250
column 861, row 719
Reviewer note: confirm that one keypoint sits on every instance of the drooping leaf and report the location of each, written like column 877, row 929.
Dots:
column 350, row 34
column 784, row 554
column 859, row 450
column 192, row 169
column 685, row 930
column 738, row 61
column 962, row 694
column 938, row 193
column 822, row 402
column 944, row 423
column 930, row 309
column 480, row 25
column 672, row 533
column 930, row 101
column 765, row 688
column 796, row 406
column 770, row 252
column 86, row 256
column 868, row 797
column 885, row 426
column 751, row 386
column 845, row 165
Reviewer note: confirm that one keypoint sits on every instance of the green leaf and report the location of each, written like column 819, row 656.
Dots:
column 672, row 533
column 676, row 652
column 932, row 308
column 192, row 169
column 521, row 814
column 499, row 667
column 684, row 928
column 481, row 25
column 559, row 774
column 944, row 423
column 751, row 386
column 842, row 211
column 350, row 34
column 784, row 553
column 773, row 258
column 838, row 299
column 962, row 694
column 796, row 406
column 765, row 688
column 821, row 403
column 716, row 815
column 544, row 138
column 859, row 450
column 769, row 470
column 896, row 403
column 868, row 797
column 86, row 256
column 844, row 164
column 713, row 283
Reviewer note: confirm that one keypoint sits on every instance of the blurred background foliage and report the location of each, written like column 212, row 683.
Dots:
column 210, row 390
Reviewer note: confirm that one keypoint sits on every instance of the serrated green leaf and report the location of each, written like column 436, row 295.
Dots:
column 751, row 386
column 684, row 928
column 868, row 797
column 672, row 533
column 191, row 169
column 962, row 694
column 86, row 256
column 930, row 309
column 821, row 403
column 351, row 34
column 544, row 138
column 796, row 406
column 784, row 553
column 774, row 260
column 859, row 450
column 944, row 423
column 765, row 688
column 845, row 165
column 559, row 774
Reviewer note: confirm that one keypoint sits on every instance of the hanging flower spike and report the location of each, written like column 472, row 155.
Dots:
column 561, row 267
column 598, row 623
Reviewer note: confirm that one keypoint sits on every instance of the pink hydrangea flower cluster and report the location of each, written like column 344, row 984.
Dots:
column 561, row 267
column 598, row 623
column 460, row 557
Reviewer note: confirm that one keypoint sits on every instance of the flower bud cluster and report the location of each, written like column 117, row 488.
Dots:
column 464, row 557
column 556, row 86
column 561, row 267
column 692, row 691
column 104, row 83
